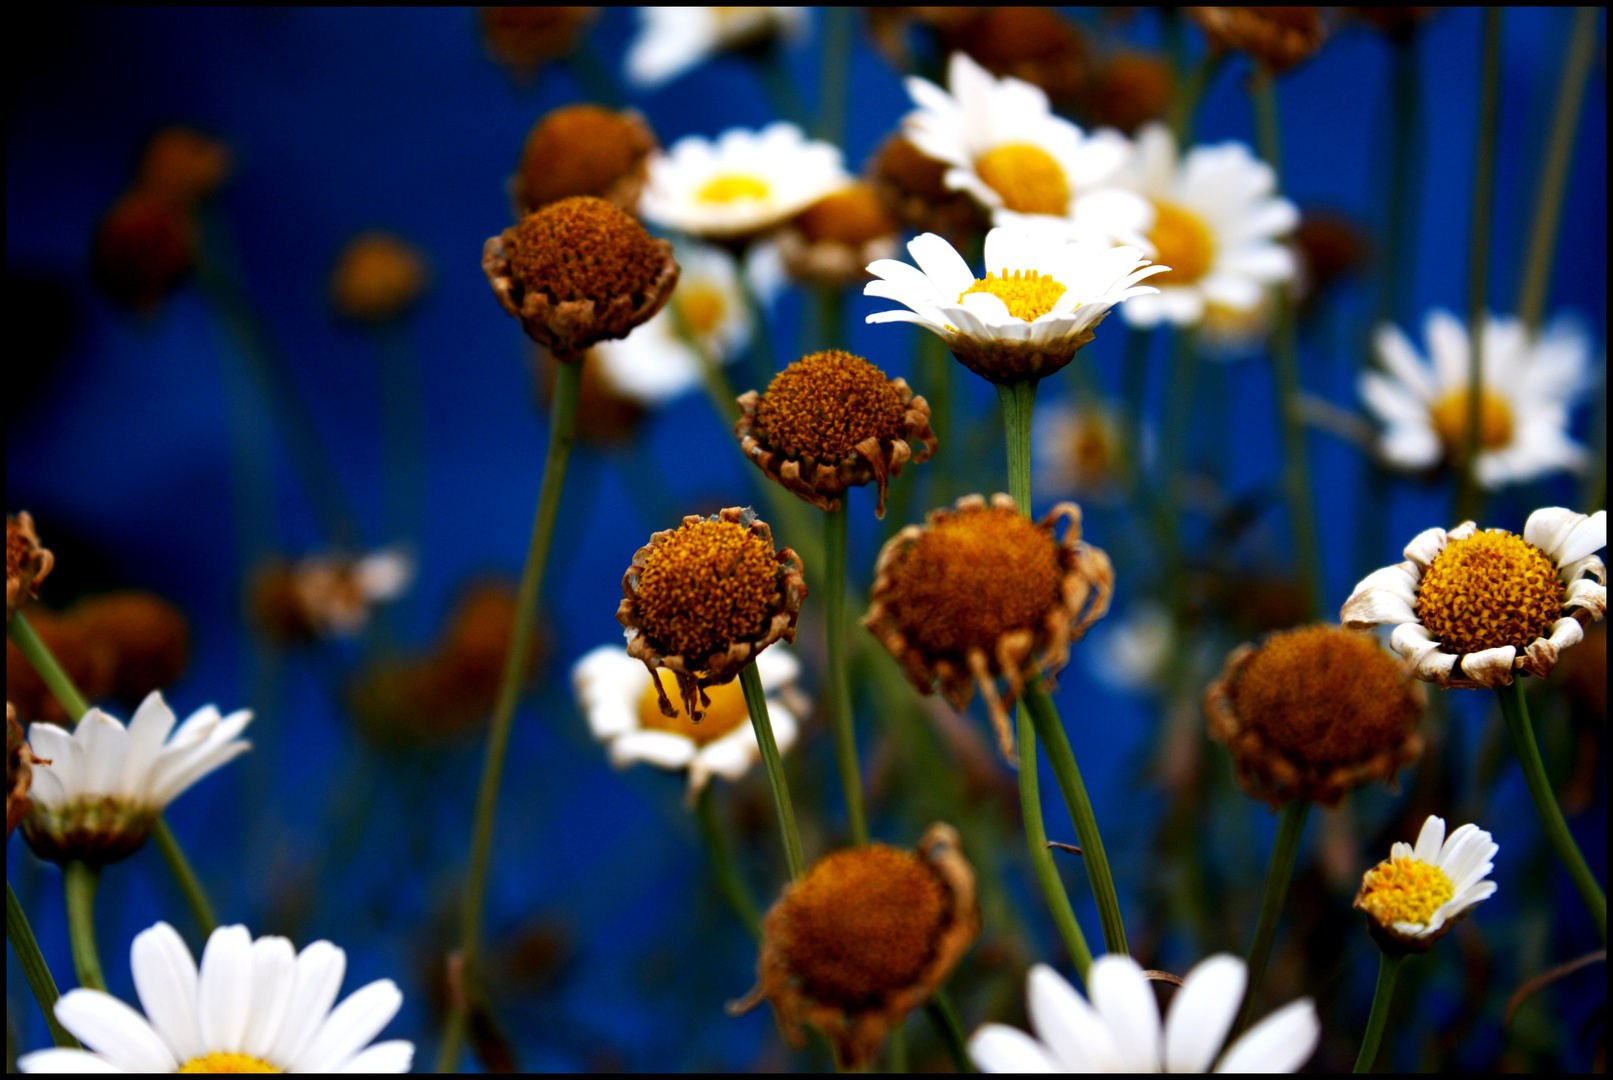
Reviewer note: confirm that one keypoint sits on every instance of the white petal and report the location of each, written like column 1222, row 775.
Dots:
column 392, row 1056
column 1122, row 996
column 1370, row 606
column 105, row 742
column 1490, row 667
column 1077, row 1036
column 274, row 975
column 730, row 756
column 1201, row 1014
column 65, row 1061
column 320, row 967
column 659, row 748
column 998, row 1048
column 1402, row 361
column 351, row 1025
column 1588, row 537
column 1548, row 527
column 110, row 1028
column 941, row 263
column 777, row 667
column 224, row 995
column 66, row 758
column 1280, row 1043
column 148, row 729
column 165, row 978
column 1426, row 546
column 1430, row 840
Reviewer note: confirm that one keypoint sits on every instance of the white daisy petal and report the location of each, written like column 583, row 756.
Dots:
column 351, row 1026
column 1588, row 537
column 1490, row 667
column 392, row 1056
column 1202, row 1012
column 149, row 728
column 65, row 1061
column 1280, row 1043
column 998, row 1048
column 941, row 264
column 1078, row 1037
column 165, row 978
column 1122, row 996
column 274, row 976
column 224, row 992
column 1430, row 841
column 320, row 968
column 662, row 749
column 110, row 1028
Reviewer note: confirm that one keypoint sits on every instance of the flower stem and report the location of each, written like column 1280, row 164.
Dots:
column 756, row 702
column 562, row 430
column 1050, row 729
column 1047, row 872
column 1290, row 827
column 944, row 1016
column 39, row 657
column 834, row 543
column 723, row 867
column 32, row 962
column 1516, row 711
column 1388, row 972
column 195, row 895
column 1018, row 399
column 78, row 889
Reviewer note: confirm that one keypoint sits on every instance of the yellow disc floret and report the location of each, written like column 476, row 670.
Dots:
column 732, row 187
column 1182, row 242
column 1404, row 890
column 1489, row 591
column 826, row 403
column 1450, row 419
column 1027, row 177
column 1028, row 294
column 220, row 1062
column 725, row 713
column 701, row 307
column 708, row 585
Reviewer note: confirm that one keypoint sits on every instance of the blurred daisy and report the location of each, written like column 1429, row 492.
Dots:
column 1040, row 300
column 1528, row 384
column 1120, row 1030
column 105, row 784
column 329, row 595
column 254, row 1006
column 1470, row 607
column 673, row 40
column 742, row 184
column 1215, row 219
column 1416, row 895
column 1080, row 449
column 624, row 712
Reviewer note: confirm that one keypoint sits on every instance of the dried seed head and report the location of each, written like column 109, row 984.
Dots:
column 710, row 584
column 184, row 164
column 826, row 403
column 1035, row 44
column 1278, row 37
column 1130, row 90
column 523, row 39
column 378, row 276
column 852, row 216
column 583, row 150
column 1488, row 591
column 145, row 246
column 912, row 185
column 582, row 248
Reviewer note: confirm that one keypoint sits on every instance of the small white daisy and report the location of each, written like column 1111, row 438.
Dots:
column 1529, row 383
column 1120, row 1030
column 624, row 712
column 254, row 1006
column 1416, row 895
column 742, row 184
column 1469, row 607
column 338, row 592
column 673, row 40
column 106, row 784
column 1040, row 300
column 1080, row 450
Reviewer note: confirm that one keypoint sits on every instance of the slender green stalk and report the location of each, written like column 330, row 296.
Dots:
column 834, row 545
column 898, row 1048
column 34, row 968
column 38, row 655
column 201, row 909
column 403, row 434
column 1047, row 872
column 1018, row 400
column 1388, row 972
column 779, row 85
column 834, row 84
column 944, row 1015
column 1290, row 827
column 938, row 371
column 562, row 431
column 1050, row 729
column 1189, row 92
column 756, row 702
column 79, row 880
column 1400, row 203
column 723, row 867
column 828, row 329
column 1515, row 709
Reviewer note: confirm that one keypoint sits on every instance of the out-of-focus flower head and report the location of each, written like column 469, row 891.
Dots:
column 1414, row 897
column 1128, row 89
column 27, row 563
column 1330, row 246
column 523, row 39
column 913, row 188
column 1279, row 38
column 832, row 241
column 328, row 595
column 1034, row 44
column 673, row 40
column 583, row 150
column 184, row 165
column 1080, row 450
column 378, row 277
column 145, row 246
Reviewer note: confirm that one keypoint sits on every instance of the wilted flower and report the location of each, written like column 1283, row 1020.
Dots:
column 912, row 185
column 832, row 241
column 27, row 563
column 1035, row 44
column 145, row 246
column 378, row 276
column 1277, row 37
column 184, row 164
column 19, row 771
column 328, row 595
column 583, row 150
column 1128, row 90
column 1415, row 896
column 523, row 39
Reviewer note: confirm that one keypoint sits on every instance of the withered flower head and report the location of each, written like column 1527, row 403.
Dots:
column 577, row 272
column 1330, row 245
column 148, row 635
column 145, row 245
column 19, row 771
column 1035, row 44
column 378, row 277
column 27, row 564
column 184, row 164
column 913, row 188
column 90, row 662
column 831, row 421
column 327, row 594
column 703, row 599
column 1129, row 90
column 867, row 935
column 1277, row 37
column 832, row 241
column 523, row 39
column 979, row 592
column 1314, row 713
column 583, row 150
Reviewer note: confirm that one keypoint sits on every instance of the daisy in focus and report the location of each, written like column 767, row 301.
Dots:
column 1528, row 385
column 105, row 783
column 253, row 1006
column 1417, row 894
column 742, row 184
column 1040, row 300
column 673, row 40
column 1120, row 1030
column 1470, row 607
column 624, row 712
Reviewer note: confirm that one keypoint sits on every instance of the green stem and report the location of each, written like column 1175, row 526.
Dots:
column 34, row 968
column 1189, row 92
column 195, row 895
column 835, row 83
column 944, row 1016
column 562, row 431
column 78, row 889
column 1050, row 729
column 1400, row 203
column 1290, row 827
column 1047, row 872
column 1516, row 711
column 829, row 307
column 834, row 543
column 1018, row 399
column 756, row 702
column 39, row 657
column 898, row 1048
column 1388, row 972
column 723, row 867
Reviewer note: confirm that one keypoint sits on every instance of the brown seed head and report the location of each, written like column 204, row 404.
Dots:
column 148, row 635
column 710, row 584
column 27, row 564
column 378, row 276
column 912, row 186
column 145, row 245
column 1488, row 591
column 1030, row 43
column 583, row 150
column 523, row 39
column 1278, row 37
column 1129, row 90
column 852, row 216
column 582, row 248
column 826, row 403
column 184, row 165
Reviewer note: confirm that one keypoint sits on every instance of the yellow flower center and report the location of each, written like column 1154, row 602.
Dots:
column 826, row 403
column 1027, row 177
column 1404, row 890
column 1028, row 294
column 1488, row 591
column 702, row 308
column 1182, row 242
column 1450, row 419
column 727, row 710
column 220, row 1062
column 705, row 587
column 733, row 187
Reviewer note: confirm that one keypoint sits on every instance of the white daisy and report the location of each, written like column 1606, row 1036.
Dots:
column 106, row 784
column 745, row 182
column 624, row 712
column 1215, row 219
column 254, row 1006
column 1469, row 607
column 672, row 40
column 654, row 364
column 1080, row 450
column 1418, row 894
column 1120, row 1030
column 1040, row 300
column 1529, row 383
column 337, row 592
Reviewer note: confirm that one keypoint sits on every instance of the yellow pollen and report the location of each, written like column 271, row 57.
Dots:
column 1028, row 294
column 1404, row 890
column 701, row 307
column 1450, row 419
column 1027, row 177
column 1182, row 242
column 709, row 585
column 220, row 1062
column 733, row 187
column 1489, row 591
column 727, row 710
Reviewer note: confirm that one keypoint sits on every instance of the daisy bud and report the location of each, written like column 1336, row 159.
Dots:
column 1414, row 897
